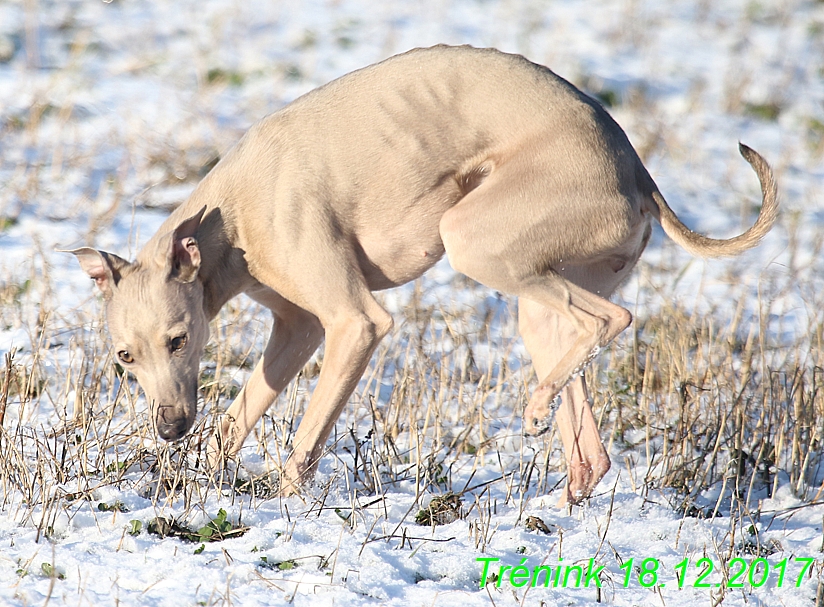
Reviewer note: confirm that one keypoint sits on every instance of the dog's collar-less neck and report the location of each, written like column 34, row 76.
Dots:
column 223, row 276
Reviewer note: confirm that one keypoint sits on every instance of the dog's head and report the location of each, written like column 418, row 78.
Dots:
column 157, row 321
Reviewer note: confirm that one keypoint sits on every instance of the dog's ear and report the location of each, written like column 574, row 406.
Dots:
column 182, row 251
column 106, row 269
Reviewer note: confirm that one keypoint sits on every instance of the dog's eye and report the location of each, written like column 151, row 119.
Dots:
column 125, row 357
column 176, row 345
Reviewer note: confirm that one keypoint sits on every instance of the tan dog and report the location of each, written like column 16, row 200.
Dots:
column 526, row 183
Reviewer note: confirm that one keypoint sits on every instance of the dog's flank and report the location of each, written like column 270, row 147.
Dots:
column 526, row 184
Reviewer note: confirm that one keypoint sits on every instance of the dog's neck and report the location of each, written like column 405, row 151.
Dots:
column 223, row 274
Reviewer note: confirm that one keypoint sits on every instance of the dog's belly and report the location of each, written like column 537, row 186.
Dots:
column 401, row 254
column 396, row 242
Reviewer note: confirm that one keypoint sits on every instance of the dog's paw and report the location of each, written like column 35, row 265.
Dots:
column 536, row 427
column 538, row 417
column 215, row 458
column 582, row 478
column 297, row 474
column 222, row 446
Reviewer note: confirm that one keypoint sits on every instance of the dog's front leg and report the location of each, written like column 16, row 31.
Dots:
column 350, row 341
column 296, row 334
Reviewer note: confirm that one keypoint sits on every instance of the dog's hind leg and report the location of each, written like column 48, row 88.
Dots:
column 513, row 234
column 547, row 336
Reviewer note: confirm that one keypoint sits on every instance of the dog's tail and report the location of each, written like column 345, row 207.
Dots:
column 702, row 246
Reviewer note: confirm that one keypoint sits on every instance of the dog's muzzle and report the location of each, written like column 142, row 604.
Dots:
column 173, row 431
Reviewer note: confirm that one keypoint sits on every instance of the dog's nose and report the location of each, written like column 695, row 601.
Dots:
column 172, row 431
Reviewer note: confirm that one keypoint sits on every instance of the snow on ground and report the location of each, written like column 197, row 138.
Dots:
column 108, row 110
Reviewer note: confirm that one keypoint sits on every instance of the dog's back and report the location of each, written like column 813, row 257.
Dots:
column 411, row 136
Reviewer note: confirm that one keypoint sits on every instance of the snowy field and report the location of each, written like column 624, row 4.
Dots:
column 712, row 406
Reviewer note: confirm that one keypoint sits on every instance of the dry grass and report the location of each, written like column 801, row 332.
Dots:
column 710, row 410
column 690, row 403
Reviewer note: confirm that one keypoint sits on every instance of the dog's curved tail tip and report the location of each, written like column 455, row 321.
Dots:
column 703, row 246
